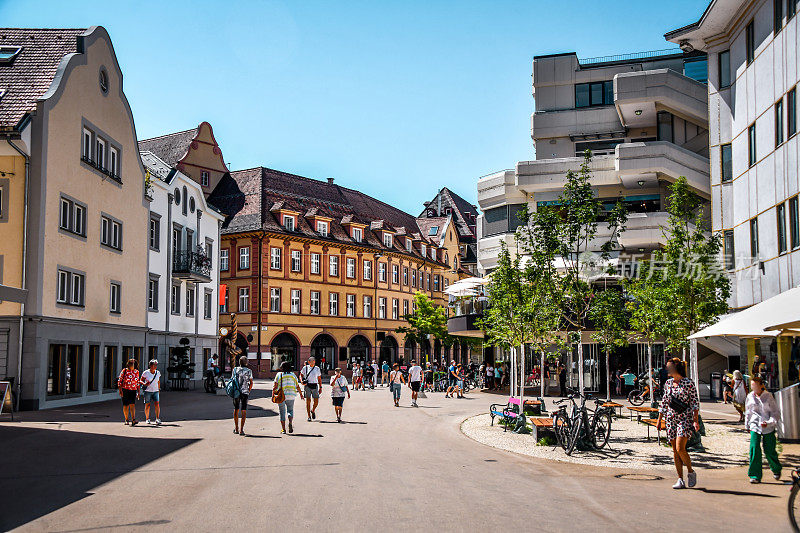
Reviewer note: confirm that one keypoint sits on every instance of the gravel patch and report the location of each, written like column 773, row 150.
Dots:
column 725, row 446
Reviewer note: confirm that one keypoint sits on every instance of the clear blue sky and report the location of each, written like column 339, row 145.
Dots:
column 395, row 98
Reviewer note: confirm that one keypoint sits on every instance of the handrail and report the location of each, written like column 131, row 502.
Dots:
column 625, row 57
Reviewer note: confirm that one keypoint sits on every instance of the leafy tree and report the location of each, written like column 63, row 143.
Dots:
column 427, row 319
column 610, row 326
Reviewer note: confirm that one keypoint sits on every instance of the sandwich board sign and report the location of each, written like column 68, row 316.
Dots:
column 6, row 406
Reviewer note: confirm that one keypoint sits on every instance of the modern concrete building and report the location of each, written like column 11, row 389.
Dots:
column 753, row 73
column 183, row 276
column 80, row 197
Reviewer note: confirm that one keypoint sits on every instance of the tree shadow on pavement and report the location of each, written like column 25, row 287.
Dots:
column 50, row 469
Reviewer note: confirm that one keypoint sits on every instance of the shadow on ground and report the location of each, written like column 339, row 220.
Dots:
column 39, row 481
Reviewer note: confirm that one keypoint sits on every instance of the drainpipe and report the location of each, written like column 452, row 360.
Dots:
column 260, row 290
column 168, row 288
column 24, row 261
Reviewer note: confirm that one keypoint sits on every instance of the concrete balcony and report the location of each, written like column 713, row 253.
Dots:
column 650, row 161
column 575, row 122
column 489, row 249
column 650, row 91
column 644, row 230
column 550, row 174
column 497, row 188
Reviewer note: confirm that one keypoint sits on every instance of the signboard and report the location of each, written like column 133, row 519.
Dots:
column 5, row 399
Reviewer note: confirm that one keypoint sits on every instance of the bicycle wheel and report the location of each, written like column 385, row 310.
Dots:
column 574, row 435
column 635, row 397
column 561, row 429
column 601, row 429
column 794, row 506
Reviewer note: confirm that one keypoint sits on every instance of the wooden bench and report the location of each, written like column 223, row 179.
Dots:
column 649, row 422
column 641, row 410
column 614, row 405
column 540, row 423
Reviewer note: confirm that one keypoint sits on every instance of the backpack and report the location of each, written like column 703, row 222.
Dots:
column 232, row 387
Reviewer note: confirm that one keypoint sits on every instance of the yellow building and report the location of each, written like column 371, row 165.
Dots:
column 337, row 270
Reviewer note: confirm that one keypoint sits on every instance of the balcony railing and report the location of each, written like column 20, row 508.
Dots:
column 626, row 57
column 194, row 266
column 101, row 169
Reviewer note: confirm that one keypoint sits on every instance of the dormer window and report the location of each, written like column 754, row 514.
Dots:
column 8, row 53
column 288, row 222
column 433, row 231
column 387, row 240
column 424, row 249
column 358, row 234
column 322, row 228
column 433, row 254
column 409, row 244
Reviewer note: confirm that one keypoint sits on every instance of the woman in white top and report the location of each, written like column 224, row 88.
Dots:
column 287, row 381
column 396, row 381
column 339, row 387
column 739, row 394
column 762, row 417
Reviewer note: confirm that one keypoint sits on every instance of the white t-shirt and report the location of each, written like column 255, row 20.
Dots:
column 311, row 374
column 375, row 368
column 415, row 373
column 211, row 363
column 147, row 376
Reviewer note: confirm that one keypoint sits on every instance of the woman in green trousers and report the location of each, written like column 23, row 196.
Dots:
column 761, row 417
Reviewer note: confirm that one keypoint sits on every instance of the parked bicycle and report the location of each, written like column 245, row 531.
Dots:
column 794, row 503
column 582, row 428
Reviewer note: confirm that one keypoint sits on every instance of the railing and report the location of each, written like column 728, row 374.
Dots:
column 626, row 57
column 192, row 263
column 469, row 306
column 92, row 163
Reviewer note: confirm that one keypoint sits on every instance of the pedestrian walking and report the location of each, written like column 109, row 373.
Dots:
column 311, row 377
column 739, row 394
column 727, row 388
column 128, row 385
column 356, row 376
column 396, row 381
column 414, row 381
column 375, row 371
column 452, row 380
column 459, row 381
column 630, row 380
column 151, row 381
column 339, row 388
column 286, row 381
column 368, row 376
column 489, row 376
column 385, row 373
column 762, row 417
column 680, row 408
column 244, row 379
column 562, row 380
column 498, row 376
column 619, row 382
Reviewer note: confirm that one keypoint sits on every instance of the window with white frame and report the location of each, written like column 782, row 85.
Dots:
column 190, row 300
column 152, row 294
column 367, row 306
column 357, row 234
column 433, row 254
column 114, row 304
column 99, row 152
column 86, row 145
column 333, row 267
column 381, row 307
column 351, row 305
column 244, row 257
column 428, row 281
column 367, row 269
column 395, row 308
column 314, row 309
column 155, row 234
column 224, row 307
column 405, row 275
column 381, row 272
column 297, row 260
column 244, row 299
column 423, row 249
column 395, row 274
column 351, row 267
column 72, row 217
column 175, row 300
column 295, row 301
column 70, row 288
column 405, row 307
column 333, row 304
column 275, row 299
column 275, row 258
column 223, row 259
column 409, row 244
column 113, row 161
column 204, row 178
column 436, row 282
column 208, row 299
column 414, row 277
column 315, row 261
column 322, row 228
column 110, row 233
column 288, row 222
column 387, row 240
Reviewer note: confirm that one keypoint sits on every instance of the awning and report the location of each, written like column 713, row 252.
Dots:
column 761, row 320
column 465, row 287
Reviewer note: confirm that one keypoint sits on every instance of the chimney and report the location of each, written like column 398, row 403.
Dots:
column 330, row 181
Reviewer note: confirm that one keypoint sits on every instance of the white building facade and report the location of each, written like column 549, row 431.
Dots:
column 183, row 281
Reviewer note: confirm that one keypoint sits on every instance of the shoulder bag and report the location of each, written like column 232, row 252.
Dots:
column 232, row 387
column 277, row 395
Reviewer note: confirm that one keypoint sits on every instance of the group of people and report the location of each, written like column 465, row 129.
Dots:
column 132, row 385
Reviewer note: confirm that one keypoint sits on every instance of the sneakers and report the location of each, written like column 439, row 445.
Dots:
column 309, row 419
column 414, row 404
column 692, row 478
column 777, row 476
column 314, row 415
column 158, row 421
column 148, row 422
column 126, row 422
column 754, row 480
column 283, row 432
column 134, row 422
column 679, row 484
column 291, row 429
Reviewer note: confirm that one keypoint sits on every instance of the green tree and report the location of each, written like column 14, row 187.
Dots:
column 610, row 326
column 426, row 319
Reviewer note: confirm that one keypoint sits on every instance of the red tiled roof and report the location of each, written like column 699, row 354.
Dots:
column 29, row 75
column 170, row 148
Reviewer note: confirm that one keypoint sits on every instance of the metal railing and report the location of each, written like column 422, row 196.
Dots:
column 193, row 263
column 92, row 163
column 469, row 306
column 625, row 57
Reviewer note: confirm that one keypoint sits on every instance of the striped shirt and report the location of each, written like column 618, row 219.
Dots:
column 288, row 382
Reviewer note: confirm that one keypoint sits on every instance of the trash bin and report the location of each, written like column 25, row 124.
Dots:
column 716, row 385
column 789, row 403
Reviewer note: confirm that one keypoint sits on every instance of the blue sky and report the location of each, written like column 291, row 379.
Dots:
column 393, row 98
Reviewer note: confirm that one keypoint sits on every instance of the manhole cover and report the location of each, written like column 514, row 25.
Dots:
column 639, row 477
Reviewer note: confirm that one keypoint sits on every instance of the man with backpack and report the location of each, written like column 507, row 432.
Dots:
column 311, row 377
column 238, row 388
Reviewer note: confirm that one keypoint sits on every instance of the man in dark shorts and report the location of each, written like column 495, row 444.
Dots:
column 311, row 378
column 244, row 376
column 452, row 380
column 414, row 381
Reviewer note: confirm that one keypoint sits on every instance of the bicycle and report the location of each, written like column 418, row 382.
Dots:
column 590, row 433
column 638, row 396
column 794, row 503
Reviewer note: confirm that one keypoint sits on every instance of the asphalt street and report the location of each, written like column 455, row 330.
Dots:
column 395, row 469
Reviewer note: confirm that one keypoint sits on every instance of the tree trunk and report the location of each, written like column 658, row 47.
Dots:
column 608, row 375
column 542, row 373
column 511, row 381
column 522, row 380
column 650, row 371
column 580, row 367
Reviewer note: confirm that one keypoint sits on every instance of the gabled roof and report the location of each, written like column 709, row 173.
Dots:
column 28, row 76
column 458, row 207
column 426, row 224
column 170, row 148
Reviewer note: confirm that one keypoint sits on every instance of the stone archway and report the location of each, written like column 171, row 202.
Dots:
column 358, row 350
column 284, row 347
column 409, row 349
column 389, row 351
column 324, row 350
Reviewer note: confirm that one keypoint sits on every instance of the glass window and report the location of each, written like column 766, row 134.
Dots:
column 409, row 244
column 791, row 111
column 754, row 238
column 724, row 66
column 204, row 178
column 63, row 287
column 223, row 259
column 65, row 220
column 351, row 268
column 696, row 68
column 99, row 153
column 751, row 144
column 405, row 275
column 395, row 274
column 297, row 258
column 405, row 307
column 726, row 159
column 395, row 308
column 113, row 162
column 152, row 294
column 750, row 38
column 729, row 249
column 110, row 368
column 87, row 145
column 777, row 15
column 367, row 306
column 244, row 257
column 433, row 231
column 791, row 8
column 381, row 307
column 664, row 126
column 155, row 233
column 314, row 303
column 794, row 223
column 333, row 304
column 333, row 265
column 288, row 222
column 382, row 272
column 244, row 299
column 357, row 234
column 315, row 260
column 94, row 367
column 367, row 269
column 322, row 228
column 275, row 299
column 351, row 305
column 207, row 305
column 175, row 300
column 114, row 298
column 55, row 370
column 594, row 94
column 295, row 301
column 190, row 300
column 780, row 213
column 387, row 240
column 582, row 95
column 779, row 122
